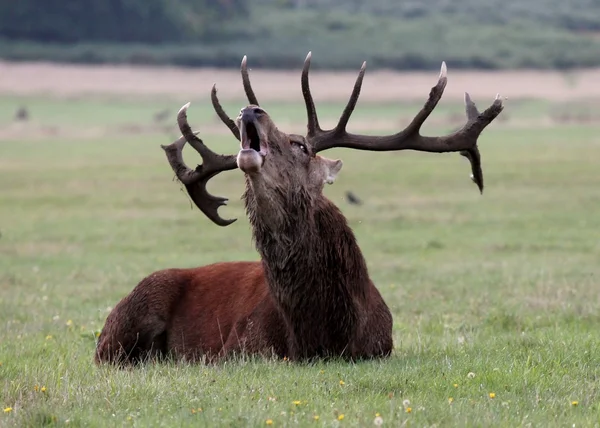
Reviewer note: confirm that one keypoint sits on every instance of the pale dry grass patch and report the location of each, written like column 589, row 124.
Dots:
column 68, row 80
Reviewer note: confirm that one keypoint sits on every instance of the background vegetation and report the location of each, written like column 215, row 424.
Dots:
column 279, row 33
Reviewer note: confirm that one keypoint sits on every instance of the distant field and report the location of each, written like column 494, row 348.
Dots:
column 379, row 86
column 71, row 101
column 504, row 286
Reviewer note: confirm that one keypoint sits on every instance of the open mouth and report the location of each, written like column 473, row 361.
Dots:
column 251, row 139
column 254, row 151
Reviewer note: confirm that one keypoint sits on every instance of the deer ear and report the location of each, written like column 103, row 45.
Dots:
column 332, row 169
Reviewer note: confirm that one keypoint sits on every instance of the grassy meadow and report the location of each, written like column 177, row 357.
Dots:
column 495, row 298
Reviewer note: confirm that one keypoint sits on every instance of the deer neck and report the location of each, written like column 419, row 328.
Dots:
column 315, row 270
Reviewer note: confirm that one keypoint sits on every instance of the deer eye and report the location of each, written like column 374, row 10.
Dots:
column 302, row 146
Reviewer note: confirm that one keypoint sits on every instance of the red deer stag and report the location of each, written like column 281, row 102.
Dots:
column 311, row 296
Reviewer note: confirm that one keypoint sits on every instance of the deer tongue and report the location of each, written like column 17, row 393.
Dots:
column 250, row 161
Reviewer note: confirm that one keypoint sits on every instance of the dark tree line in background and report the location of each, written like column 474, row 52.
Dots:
column 414, row 34
column 118, row 21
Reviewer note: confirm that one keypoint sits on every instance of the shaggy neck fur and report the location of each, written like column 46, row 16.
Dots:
column 314, row 267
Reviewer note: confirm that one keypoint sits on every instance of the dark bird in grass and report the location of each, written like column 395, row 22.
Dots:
column 352, row 198
column 161, row 116
column 22, row 114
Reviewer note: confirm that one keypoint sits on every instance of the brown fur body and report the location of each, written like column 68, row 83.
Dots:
column 206, row 312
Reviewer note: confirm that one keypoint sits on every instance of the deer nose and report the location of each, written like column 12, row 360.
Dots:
column 250, row 114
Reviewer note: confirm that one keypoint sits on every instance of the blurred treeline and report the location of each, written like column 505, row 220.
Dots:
column 397, row 34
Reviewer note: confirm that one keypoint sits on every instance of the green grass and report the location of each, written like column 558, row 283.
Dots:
column 504, row 285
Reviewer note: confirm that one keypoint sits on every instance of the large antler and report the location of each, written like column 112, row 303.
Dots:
column 463, row 140
column 249, row 94
column 195, row 179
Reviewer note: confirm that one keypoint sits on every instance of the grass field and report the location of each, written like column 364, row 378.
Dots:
column 496, row 298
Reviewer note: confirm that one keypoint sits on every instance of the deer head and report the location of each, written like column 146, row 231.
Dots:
column 278, row 163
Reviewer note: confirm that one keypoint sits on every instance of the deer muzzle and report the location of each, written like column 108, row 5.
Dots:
column 252, row 141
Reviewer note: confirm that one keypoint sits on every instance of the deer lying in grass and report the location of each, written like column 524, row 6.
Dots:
column 310, row 296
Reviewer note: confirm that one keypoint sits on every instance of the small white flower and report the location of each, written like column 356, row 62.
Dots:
column 378, row 421
column 406, row 403
column 471, row 375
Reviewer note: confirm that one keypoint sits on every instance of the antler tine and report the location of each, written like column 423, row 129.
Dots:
column 195, row 180
column 221, row 113
column 246, row 81
column 473, row 154
column 341, row 126
column 311, row 112
column 463, row 141
column 175, row 157
column 314, row 130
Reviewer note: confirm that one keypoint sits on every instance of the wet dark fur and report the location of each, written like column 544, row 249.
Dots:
column 318, row 277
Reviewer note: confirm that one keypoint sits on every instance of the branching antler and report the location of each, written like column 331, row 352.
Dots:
column 195, row 180
column 463, row 141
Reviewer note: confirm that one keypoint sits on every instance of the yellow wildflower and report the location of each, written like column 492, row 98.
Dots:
column 377, row 415
column 49, row 337
column 297, row 402
column 316, row 417
column 36, row 388
column 450, row 400
column 341, row 417
column 269, row 421
column 408, row 409
column 492, row 395
column 574, row 403
column 69, row 323
column 342, row 382
column 43, row 389
column 456, row 385
column 7, row 409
